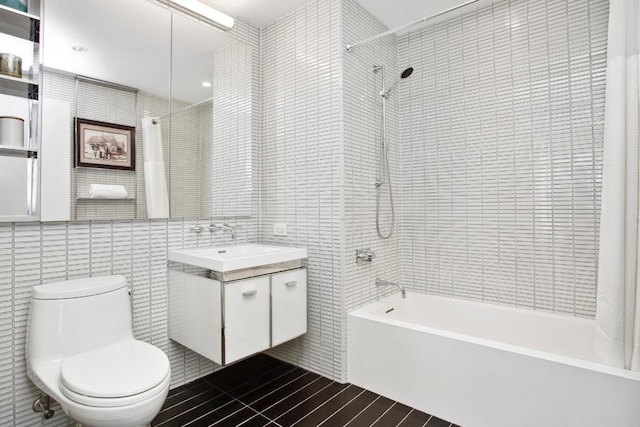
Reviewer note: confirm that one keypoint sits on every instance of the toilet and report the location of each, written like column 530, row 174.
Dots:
column 82, row 353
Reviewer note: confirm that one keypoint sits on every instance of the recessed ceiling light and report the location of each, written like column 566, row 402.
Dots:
column 206, row 84
column 80, row 48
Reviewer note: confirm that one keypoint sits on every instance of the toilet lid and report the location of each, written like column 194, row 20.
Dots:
column 118, row 370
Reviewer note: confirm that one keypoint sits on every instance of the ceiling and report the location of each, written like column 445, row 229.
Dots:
column 121, row 50
column 393, row 13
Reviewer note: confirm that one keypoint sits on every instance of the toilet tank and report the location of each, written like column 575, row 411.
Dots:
column 74, row 316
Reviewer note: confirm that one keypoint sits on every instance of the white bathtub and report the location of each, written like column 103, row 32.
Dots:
column 482, row 365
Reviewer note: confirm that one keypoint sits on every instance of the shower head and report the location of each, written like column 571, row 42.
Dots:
column 405, row 74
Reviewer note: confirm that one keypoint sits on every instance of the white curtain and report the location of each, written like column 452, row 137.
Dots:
column 155, row 180
column 618, row 300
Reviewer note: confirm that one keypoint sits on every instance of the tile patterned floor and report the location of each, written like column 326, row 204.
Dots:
column 263, row 391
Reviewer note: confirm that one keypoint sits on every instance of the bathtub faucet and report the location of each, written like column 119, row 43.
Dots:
column 380, row 282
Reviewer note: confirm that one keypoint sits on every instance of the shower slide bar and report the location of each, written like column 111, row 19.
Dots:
column 349, row 47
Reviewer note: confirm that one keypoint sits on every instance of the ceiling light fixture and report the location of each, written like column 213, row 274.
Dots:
column 207, row 12
column 206, row 84
column 80, row 48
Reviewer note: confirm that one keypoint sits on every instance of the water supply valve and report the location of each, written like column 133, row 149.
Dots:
column 364, row 256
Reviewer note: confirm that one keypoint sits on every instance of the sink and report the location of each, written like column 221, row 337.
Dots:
column 236, row 257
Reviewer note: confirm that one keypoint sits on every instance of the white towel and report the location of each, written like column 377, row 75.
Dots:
column 103, row 191
column 156, row 187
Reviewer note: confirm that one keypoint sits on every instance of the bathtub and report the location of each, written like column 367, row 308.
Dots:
column 482, row 365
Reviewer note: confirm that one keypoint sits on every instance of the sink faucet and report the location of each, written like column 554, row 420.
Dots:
column 224, row 227
column 380, row 282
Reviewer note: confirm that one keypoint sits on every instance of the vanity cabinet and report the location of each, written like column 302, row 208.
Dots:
column 227, row 321
column 288, row 305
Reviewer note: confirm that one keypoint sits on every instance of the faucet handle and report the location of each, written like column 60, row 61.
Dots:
column 364, row 255
column 213, row 228
column 197, row 229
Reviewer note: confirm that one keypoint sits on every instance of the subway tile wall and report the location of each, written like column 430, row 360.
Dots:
column 501, row 132
column 235, row 153
column 302, row 165
column 362, row 135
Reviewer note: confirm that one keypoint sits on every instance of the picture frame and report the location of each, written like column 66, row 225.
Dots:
column 105, row 145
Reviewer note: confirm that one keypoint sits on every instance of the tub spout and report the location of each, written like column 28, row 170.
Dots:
column 380, row 282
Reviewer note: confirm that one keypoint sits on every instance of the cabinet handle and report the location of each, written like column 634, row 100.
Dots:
column 292, row 283
column 248, row 293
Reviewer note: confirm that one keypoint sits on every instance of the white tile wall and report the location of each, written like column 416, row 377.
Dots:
column 302, row 167
column 501, row 129
column 31, row 254
column 362, row 128
column 232, row 162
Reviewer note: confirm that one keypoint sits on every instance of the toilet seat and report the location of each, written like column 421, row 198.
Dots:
column 116, row 375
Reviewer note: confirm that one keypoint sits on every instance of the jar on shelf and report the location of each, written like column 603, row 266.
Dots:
column 11, row 131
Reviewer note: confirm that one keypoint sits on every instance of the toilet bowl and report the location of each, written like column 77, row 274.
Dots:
column 82, row 353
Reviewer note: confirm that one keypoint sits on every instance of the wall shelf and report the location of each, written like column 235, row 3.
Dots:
column 19, row 218
column 18, row 151
column 19, row 24
column 22, row 88
column 93, row 199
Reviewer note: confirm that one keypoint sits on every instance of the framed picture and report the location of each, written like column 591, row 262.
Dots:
column 105, row 145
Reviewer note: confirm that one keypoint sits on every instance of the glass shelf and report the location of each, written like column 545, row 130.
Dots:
column 6, row 150
column 19, row 24
column 93, row 199
column 14, row 86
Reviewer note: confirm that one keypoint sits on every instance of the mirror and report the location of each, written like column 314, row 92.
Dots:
column 156, row 89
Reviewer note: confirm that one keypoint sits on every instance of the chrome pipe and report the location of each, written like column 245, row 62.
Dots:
column 349, row 48
column 380, row 282
column 155, row 120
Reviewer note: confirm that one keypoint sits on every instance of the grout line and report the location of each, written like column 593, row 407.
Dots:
column 405, row 417
column 293, row 407
column 273, row 391
column 427, row 422
column 321, row 405
column 293, row 368
column 291, row 394
column 180, row 402
column 192, row 408
column 213, row 410
column 244, row 406
column 336, row 411
column 383, row 414
column 364, row 409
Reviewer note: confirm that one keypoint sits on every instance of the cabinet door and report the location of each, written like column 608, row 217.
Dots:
column 288, row 305
column 246, row 317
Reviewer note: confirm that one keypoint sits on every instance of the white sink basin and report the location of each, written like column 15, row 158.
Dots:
column 236, row 257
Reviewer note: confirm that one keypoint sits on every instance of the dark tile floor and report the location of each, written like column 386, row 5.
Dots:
column 263, row 391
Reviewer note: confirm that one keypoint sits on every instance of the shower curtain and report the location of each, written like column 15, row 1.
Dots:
column 155, row 181
column 618, row 296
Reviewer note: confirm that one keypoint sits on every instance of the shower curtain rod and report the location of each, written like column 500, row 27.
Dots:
column 156, row 119
column 350, row 47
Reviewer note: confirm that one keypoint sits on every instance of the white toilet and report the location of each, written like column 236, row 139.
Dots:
column 82, row 353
